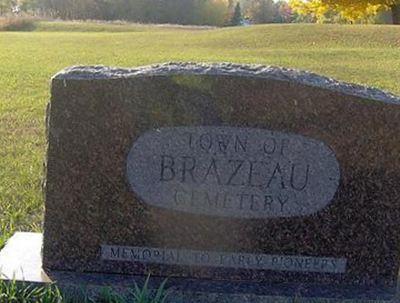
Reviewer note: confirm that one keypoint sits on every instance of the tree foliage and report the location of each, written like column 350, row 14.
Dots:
column 267, row 11
column 349, row 9
column 197, row 12
column 284, row 13
column 237, row 17
column 260, row 11
column 5, row 6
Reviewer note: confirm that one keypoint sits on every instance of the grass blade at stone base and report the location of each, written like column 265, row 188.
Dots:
column 13, row 292
column 161, row 294
column 144, row 294
column 141, row 294
column 50, row 294
column 108, row 295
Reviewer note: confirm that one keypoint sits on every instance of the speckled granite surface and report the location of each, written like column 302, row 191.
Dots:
column 96, row 115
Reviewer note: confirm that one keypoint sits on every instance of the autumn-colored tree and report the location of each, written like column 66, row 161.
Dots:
column 260, row 11
column 284, row 12
column 350, row 9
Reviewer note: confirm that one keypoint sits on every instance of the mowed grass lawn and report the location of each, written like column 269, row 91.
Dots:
column 363, row 54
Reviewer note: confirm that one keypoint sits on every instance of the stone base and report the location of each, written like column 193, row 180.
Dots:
column 21, row 260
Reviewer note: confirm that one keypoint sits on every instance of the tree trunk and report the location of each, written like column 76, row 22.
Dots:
column 396, row 13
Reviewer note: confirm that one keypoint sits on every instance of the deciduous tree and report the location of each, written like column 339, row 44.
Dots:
column 5, row 6
column 351, row 9
column 260, row 11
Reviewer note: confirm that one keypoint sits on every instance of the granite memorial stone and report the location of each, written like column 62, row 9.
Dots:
column 225, row 172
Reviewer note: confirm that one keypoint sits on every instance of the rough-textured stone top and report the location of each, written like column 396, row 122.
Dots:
column 250, row 70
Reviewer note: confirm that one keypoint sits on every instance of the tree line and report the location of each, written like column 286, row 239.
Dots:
column 195, row 12
column 211, row 12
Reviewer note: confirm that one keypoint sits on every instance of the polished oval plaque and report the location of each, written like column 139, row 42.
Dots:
column 232, row 172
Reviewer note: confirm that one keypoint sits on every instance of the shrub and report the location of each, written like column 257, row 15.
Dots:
column 17, row 24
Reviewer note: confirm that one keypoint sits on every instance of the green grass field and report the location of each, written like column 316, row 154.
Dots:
column 363, row 54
